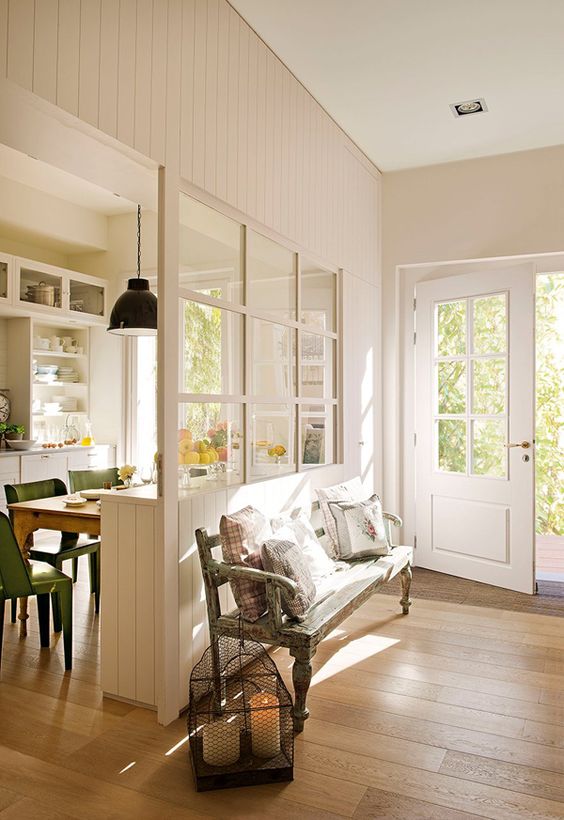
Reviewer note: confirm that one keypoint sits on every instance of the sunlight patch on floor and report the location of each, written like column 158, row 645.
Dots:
column 129, row 766
column 353, row 653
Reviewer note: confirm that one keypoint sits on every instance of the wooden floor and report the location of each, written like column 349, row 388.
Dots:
column 550, row 556
column 456, row 711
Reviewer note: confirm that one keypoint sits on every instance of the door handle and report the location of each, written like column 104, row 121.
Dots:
column 524, row 444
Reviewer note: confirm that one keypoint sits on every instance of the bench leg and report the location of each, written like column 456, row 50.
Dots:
column 301, row 677
column 405, row 577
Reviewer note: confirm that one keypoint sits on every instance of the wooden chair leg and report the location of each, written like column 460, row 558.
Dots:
column 97, row 575
column 301, row 677
column 405, row 578
column 2, row 602
column 92, row 560
column 74, row 570
column 56, row 607
column 65, row 596
column 14, row 615
column 43, row 614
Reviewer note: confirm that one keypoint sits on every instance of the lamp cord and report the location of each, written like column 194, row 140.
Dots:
column 139, row 241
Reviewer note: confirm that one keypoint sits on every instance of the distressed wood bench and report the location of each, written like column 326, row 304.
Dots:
column 353, row 586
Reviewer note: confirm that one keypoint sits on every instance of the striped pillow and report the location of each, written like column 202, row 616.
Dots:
column 284, row 557
column 242, row 533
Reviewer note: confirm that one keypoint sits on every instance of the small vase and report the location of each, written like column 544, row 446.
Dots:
column 127, row 482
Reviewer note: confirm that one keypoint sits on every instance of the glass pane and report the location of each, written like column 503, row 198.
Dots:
column 489, row 325
column 85, row 298
column 451, row 387
column 488, row 386
column 318, row 357
column 271, row 276
column 319, row 287
column 318, row 434
column 212, row 349
column 451, row 445
column 273, row 439
column 451, row 328
column 273, row 356
column 40, row 288
column 209, row 251
column 488, row 448
column 210, row 445
column 3, row 280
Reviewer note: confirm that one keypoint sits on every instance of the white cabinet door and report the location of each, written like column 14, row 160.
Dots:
column 78, row 459
column 44, row 465
column 475, row 426
column 9, row 474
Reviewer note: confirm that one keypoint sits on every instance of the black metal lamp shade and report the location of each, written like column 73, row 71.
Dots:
column 135, row 311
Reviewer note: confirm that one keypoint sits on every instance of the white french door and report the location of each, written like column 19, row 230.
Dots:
column 475, row 426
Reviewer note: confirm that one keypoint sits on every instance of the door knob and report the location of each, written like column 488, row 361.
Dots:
column 524, row 444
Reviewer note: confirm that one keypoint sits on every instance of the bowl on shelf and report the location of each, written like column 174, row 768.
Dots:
column 47, row 369
column 20, row 444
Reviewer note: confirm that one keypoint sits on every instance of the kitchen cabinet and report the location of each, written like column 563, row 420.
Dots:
column 9, row 474
column 44, row 465
column 6, row 277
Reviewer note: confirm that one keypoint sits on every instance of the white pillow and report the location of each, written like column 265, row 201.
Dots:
column 348, row 491
column 297, row 527
column 360, row 528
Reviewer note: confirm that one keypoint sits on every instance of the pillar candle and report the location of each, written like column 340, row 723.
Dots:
column 221, row 744
column 265, row 724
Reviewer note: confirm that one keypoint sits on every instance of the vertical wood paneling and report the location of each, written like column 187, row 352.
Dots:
column 145, row 609
column 222, row 101
column 109, row 607
column 269, row 139
column 186, row 557
column 126, row 72
column 21, row 15
column 68, row 55
column 109, row 30
column 252, row 84
column 285, row 151
column 89, row 61
column 277, row 153
column 3, row 37
column 199, row 138
column 126, row 611
column 45, row 45
column 261, row 131
column 210, row 161
column 187, row 89
column 143, row 75
column 243, row 115
column 158, row 81
column 233, row 107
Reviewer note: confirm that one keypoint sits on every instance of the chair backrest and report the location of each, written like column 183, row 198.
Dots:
column 33, row 490
column 14, row 578
column 92, row 479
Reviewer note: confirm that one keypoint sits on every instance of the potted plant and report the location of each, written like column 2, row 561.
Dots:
column 14, row 432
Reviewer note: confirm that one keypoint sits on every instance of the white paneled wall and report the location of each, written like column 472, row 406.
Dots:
column 251, row 134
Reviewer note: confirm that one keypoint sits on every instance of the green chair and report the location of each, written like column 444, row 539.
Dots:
column 18, row 580
column 55, row 549
column 92, row 479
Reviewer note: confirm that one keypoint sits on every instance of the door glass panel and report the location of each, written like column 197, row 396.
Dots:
column 209, row 251
column 488, row 447
column 3, row 280
column 488, row 386
column 273, row 439
column 451, row 328
column 40, row 288
column 271, row 276
column 451, row 387
column 86, row 298
column 451, row 445
column 490, row 324
column 211, row 350
column 273, row 355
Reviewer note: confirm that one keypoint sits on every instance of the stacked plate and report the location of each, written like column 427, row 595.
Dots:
column 68, row 374
column 68, row 403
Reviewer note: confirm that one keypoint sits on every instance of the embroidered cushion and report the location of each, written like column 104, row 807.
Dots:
column 348, row 491
column 298, row 525
column 242, row 533
column 284, row 557
column 360, row 528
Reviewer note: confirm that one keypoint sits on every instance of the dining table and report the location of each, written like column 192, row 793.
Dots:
column 49, row 514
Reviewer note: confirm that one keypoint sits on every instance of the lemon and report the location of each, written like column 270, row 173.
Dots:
column 191, row 458
column 204, row 458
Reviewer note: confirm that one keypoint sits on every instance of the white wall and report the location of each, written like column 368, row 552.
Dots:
column 497, row 206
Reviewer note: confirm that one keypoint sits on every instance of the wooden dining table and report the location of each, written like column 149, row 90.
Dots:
column 49, row 514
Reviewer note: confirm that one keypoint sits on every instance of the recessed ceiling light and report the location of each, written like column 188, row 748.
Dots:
column 461, row 109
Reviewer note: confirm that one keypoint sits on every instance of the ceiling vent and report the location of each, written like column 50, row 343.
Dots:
column 463, row 109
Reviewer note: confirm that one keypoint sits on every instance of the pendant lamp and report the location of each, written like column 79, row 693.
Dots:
column 135, row 311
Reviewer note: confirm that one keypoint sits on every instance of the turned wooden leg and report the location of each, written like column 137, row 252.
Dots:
column 301, row 677
column 405, row 577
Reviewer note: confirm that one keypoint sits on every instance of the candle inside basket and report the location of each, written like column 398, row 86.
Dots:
column 265, row 724
column 220, row 743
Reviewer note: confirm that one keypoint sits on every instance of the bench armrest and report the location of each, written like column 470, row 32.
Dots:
column 395, row 519
column 391, row 519
column 237, row 571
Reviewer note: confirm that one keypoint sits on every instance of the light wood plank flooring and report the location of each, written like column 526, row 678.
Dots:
column 454, row 712
column 550, row 557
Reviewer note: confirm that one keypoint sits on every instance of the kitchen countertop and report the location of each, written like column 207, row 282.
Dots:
column 44, row 450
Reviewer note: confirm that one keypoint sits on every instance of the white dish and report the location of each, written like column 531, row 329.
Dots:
column 20, row 444
column 75, row 502
column 91, row 495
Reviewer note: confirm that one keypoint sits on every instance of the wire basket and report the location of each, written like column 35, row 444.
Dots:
column 240, row 721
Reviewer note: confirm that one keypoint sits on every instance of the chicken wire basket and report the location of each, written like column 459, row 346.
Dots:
column 240, row 721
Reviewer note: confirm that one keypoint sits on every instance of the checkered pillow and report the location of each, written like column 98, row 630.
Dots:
column 242, row 534
column 348, row 491
column 284, row 557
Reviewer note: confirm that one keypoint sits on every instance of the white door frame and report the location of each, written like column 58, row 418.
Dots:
column 399, row 431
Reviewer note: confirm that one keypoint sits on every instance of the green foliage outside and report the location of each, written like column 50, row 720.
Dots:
column 550, row 404
column 202, row 362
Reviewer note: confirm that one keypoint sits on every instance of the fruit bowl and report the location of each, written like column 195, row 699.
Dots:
column 20, row 444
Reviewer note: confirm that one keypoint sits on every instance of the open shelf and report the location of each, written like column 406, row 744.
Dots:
column 59, row 355
column 60, row 384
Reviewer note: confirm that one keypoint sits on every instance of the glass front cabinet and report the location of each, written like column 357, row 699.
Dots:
column 54, row 291
column 6, row 277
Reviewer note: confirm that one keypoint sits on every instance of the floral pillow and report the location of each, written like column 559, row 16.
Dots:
column 360, row 528
column 348, row 491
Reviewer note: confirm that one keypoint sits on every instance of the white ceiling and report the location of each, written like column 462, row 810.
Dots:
column 387, row 70
column 51, row 180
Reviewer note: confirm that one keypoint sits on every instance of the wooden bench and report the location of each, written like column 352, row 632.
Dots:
column 354, row 585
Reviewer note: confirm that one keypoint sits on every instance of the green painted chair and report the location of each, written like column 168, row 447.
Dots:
column 53, row 548
column 18, row 580
column 92, row 479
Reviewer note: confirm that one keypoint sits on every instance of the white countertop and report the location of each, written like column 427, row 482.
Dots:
column 143, row 494
column 44, row 450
